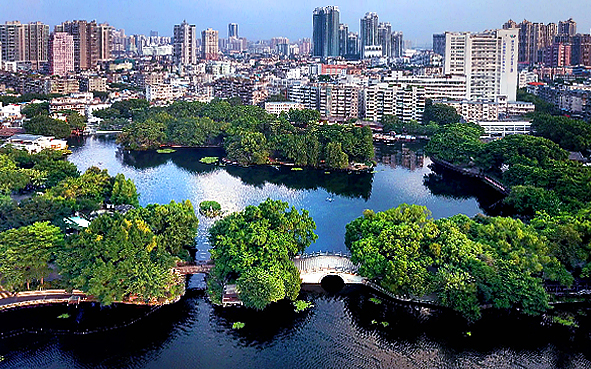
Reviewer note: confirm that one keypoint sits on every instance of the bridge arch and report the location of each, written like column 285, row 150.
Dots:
column 314, row 268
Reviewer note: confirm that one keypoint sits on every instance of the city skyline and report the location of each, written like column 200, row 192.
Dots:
column 293, row 20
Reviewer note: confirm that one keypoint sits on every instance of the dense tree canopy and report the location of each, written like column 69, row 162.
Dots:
column 457, row 143
column 440, row 114
column 119, row 258
column 465, row 262
column 248, row 133
column 47, row 126
column 253, row 249
column 570, row 134
column 25, row 254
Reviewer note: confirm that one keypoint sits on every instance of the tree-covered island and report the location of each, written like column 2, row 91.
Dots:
column 248, row 133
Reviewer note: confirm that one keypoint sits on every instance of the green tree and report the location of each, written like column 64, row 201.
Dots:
column 119, row 258
column 175, row 225
column 25, row 254
column 46, row 126
column 335, row 157
column 440, row 114
column 253, row 248
column 124, row 191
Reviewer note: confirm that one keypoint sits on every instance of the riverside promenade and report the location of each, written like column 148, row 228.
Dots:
column 42, row 297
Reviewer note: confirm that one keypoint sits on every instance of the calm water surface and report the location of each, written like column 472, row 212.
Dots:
column 342, row 330
column 333, row 200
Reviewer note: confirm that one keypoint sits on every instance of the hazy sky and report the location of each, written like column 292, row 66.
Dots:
column 263, row 19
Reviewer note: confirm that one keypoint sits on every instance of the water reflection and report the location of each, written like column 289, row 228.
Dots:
column 449, row 184
column 342, row 330
column 405, row 155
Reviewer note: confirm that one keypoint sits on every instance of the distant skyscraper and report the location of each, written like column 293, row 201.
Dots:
column 353, row 45
column 10, row 36
column 185, row 43
column 326, row 21
column 233, row 30
column 397, row 44
column 343, row 39
column 368, row 33
column 153, row 33
column 35, row 44
column 209, row 44
column 439, row 44
column 61, row 53
column 567, row 27
column 385, row 38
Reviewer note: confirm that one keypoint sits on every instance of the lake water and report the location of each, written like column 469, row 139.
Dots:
column 342, row 330
column 333, row 200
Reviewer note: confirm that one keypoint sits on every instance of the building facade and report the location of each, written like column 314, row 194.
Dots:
column 487, row 59
column 185, row 43
column 325, row 33
column 210, row 44
column 61, row 53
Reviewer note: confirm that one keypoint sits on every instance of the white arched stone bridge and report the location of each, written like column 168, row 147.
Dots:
column 314, row 267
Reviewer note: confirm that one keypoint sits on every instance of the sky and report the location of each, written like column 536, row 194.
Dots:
column 263, row 19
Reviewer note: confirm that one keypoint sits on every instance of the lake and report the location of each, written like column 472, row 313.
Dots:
column 343, row 329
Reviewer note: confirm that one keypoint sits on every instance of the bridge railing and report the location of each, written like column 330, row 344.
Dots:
column 323, row 253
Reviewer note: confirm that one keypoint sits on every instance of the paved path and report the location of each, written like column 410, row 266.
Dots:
column 29, row 298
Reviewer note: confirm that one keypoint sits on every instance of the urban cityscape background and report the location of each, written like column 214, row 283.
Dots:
column 347, row 72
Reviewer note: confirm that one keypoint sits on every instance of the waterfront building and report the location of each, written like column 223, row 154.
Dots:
column 488, row 60
column 185, row 43
column 326, row 31
column 405, row 101
column 504, row 128
column 35, row 143
column 209, row 44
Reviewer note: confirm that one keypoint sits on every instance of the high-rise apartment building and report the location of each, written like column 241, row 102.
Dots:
column 487, row 59
column 233, row 30
column 35, row 43
column 439, row 43
column 326, row 21
column 92, row 42
column 385, row 38
column 581, row 50
column 10, row 36
column 185, row 43
column 61, row 53
column 353, row 45
column 368, row 34
column 397, row 44
column 534, row 38
column 25, row 43
column 209, row 44
column 343, row 39
column 567, row 27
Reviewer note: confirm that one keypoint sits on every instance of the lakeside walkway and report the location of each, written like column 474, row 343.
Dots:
column 42, row 297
